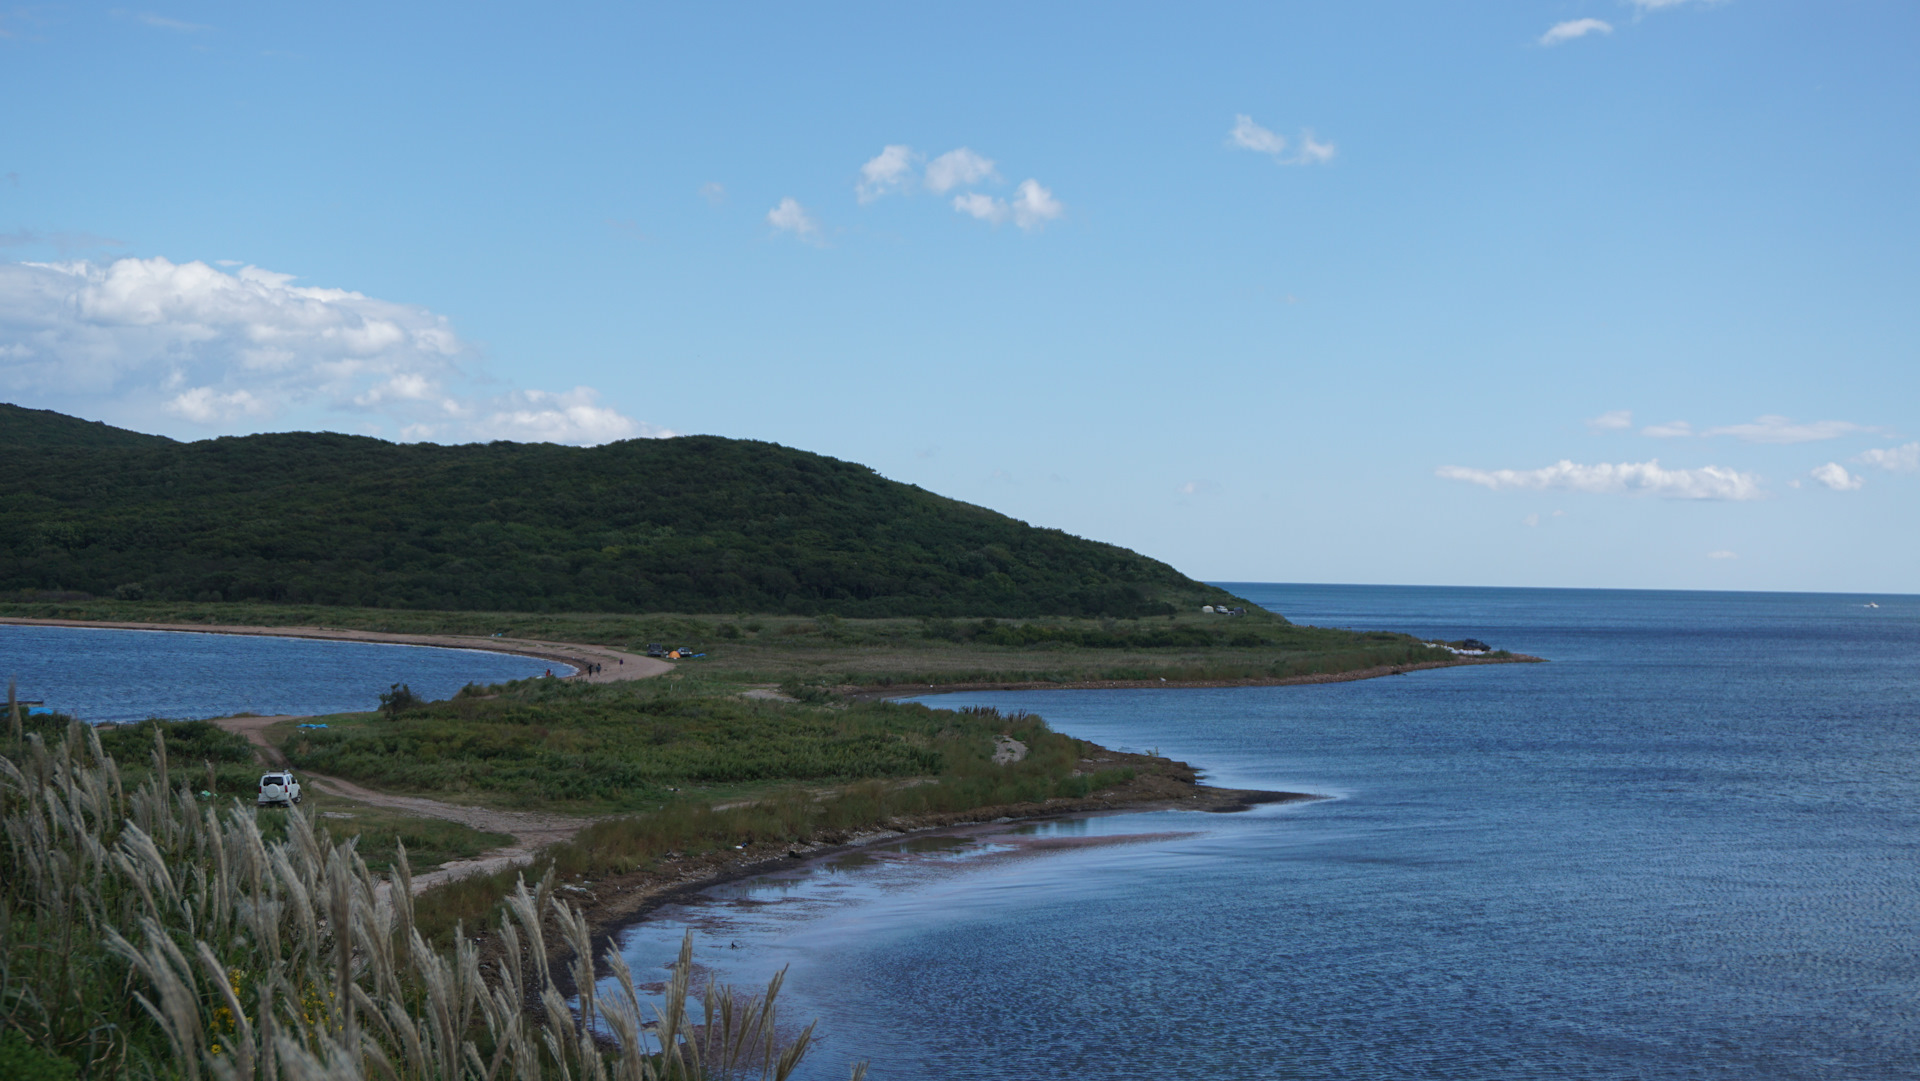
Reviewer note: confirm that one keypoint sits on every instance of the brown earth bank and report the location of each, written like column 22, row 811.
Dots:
column 915, row 690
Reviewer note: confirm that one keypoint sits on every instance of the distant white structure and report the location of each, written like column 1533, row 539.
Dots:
column 1207, row 608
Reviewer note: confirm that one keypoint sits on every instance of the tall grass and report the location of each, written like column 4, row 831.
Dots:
column 145, row 934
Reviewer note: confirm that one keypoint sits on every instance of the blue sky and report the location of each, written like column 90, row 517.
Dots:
column 1596, row 293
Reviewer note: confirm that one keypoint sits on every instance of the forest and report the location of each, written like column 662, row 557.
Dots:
column 688, row 524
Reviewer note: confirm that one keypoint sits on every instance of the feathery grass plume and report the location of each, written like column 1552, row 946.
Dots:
column 144, row 934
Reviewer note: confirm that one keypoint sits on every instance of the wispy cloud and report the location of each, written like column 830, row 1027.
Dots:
column 1614, row 421
column 217, row 349
column 890, row 170
column 1902, row 459
column 162, row 22
column 1248, row 135
column 713, row 192
column 790, row 217
column 1707, row 482
column 958, row 169
column 982, row 206
column 1723, row 553
column 62, row 242
column 1574, row 28
column 1835, row 476
column 1673, row 429
column 1776, row 429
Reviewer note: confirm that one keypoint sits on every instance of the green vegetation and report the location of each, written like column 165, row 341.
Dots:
column 218, row 766
column 695, row 524
column 962, row 777
column 144, row 935
column 634, row 746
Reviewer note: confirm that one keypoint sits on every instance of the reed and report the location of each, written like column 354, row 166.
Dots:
column 145, row 934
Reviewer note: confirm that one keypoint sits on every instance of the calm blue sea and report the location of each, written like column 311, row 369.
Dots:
column 112, row 675
column 1689, row 847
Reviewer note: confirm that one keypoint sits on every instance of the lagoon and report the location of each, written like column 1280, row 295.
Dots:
column 103, row 675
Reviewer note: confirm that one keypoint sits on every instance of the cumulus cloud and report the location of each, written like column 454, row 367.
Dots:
column 1247, row 135
column 1903, row 459
column 958, row 169
column 1574, row 28
column 576, row 416
column 1775, row 429
column 984, row 207
column 890, row 170
column 1835, row 476
column 1614, row 421
column 1708, row 482
column 218, row 349
column 1034, row 206
column 790, row 217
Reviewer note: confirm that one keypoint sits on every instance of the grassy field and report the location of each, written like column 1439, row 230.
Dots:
column 639, row 746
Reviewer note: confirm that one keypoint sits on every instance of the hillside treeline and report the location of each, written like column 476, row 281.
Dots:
column 696, row 523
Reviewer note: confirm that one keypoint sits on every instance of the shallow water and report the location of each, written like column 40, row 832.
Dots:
column 1689, row 847
column 118, row 675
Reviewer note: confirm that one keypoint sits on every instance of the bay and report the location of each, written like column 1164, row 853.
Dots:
column 1687, row 847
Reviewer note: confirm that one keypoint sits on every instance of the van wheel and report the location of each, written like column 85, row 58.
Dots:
column 296, row 799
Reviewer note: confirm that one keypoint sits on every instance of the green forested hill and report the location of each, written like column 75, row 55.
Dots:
column 692, row 524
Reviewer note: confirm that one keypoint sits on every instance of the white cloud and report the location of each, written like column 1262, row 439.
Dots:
column 1530, row 520
column 713, row 192
column 1034, row 206
column 889, row 170
column 791, row 217
column 958, row 169
column 984, row 207
column 1775, row 429
column 149, row 337
column 1613, row 421
column 1902, row 459
column 204, row 405
column 1247, row 135
column 536, row 416
column 1708, row 482
column 1835, row 476
column 1723, row 554
column 1673, row 429
column 1574, row 28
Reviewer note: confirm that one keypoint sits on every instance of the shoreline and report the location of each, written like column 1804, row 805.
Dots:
column 876, row 693
column 612, row 905
column 624, row 666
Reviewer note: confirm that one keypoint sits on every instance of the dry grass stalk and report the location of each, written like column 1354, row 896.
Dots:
column 143, row 934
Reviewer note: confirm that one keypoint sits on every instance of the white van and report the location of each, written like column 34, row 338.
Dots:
column 278, row 788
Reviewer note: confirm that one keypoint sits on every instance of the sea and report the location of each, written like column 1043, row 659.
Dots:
column 101, row 675
column 1687, row 846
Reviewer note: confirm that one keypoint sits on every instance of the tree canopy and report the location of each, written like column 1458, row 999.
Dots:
column 695, row 523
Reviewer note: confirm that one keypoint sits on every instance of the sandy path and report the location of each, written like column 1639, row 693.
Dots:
column 616, row 664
